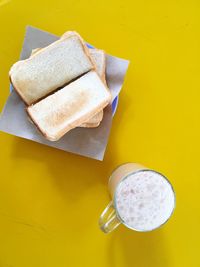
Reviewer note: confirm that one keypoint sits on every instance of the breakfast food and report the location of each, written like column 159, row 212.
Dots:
column 70, row 106
column 51, row 68
column 99, row 59
column 63, row 85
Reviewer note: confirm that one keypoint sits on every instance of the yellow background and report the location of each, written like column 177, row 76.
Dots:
column 50, row 200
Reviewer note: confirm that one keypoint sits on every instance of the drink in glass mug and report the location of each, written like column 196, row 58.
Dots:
column 142, row 199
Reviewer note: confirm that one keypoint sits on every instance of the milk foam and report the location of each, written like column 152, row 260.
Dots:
column 144, row 200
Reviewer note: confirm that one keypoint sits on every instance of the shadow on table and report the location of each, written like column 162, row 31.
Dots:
column 134, row 249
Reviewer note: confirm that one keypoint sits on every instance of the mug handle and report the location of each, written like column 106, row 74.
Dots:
column 108, row 220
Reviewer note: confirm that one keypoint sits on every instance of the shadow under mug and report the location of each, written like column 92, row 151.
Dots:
column 110, row 217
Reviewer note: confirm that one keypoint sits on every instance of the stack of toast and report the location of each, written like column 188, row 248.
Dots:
column 63, row 86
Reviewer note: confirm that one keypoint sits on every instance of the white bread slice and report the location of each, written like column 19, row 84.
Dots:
column 50, row 68
column 99, row 59
column 70, row 106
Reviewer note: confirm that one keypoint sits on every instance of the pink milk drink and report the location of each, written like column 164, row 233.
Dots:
column 142, row 199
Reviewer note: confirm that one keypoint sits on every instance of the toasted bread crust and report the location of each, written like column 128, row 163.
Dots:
column 17, row 91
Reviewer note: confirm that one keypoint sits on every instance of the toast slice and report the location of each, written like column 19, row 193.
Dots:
column 50, row 68
column 99, row 59
column 70, row 106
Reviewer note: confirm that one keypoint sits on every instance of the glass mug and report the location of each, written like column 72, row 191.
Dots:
column 142, row 199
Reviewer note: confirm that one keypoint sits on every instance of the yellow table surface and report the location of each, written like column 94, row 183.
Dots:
column 50, row 200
